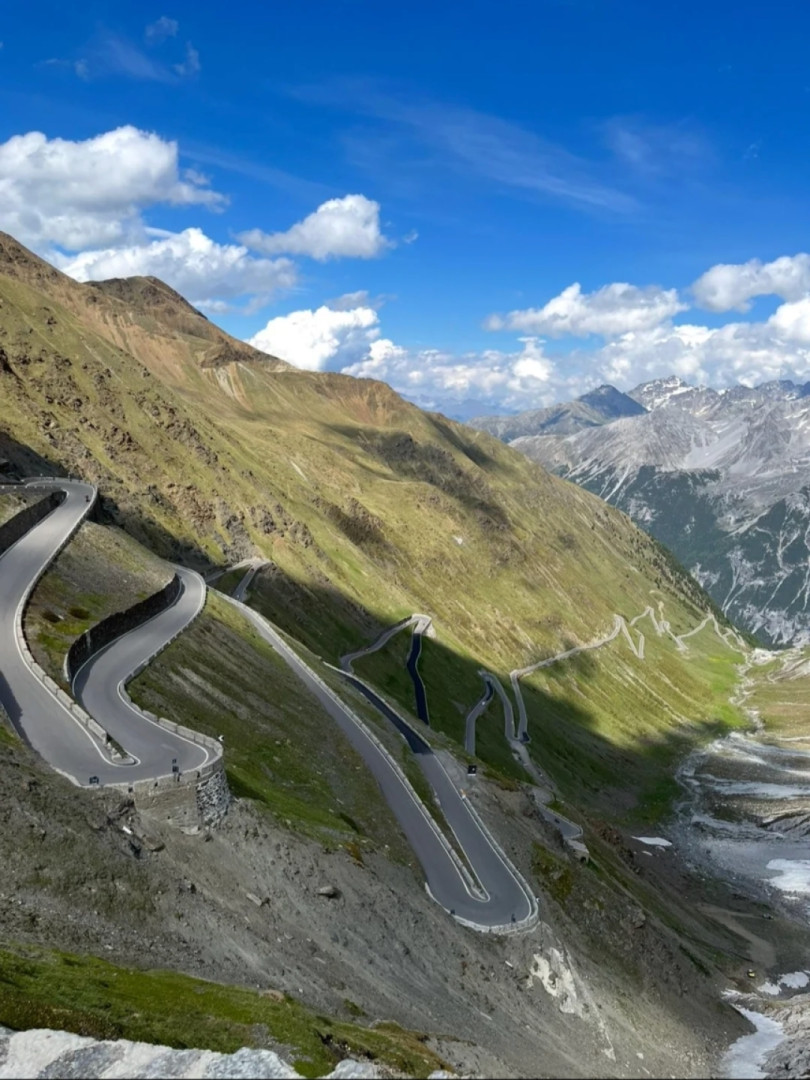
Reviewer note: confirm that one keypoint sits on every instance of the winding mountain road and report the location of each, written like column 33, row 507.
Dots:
column 98, row 686
column 494, row 897
column 44, row 716
column 475, row 712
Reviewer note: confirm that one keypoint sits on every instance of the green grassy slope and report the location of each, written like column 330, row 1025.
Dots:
column 780, row 692
column 41, row 988
column 366, row 508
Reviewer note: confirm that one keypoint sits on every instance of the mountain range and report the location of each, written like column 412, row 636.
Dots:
column 721, row 477
column 305, row 909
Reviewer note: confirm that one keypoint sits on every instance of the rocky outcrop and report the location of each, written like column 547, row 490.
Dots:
column 213, row 797
column 43, row 1054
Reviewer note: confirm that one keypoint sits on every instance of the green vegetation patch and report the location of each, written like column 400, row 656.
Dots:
column 282, row 750
column 611, row 729
column 41, row 988
column 781, row 694
column 554, row 873
column 101, row 571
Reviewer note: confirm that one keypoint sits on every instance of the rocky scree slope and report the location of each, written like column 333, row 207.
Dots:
column 722, row 478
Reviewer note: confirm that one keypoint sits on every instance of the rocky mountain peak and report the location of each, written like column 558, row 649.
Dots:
column 660, row 392
column 18, row 262
column 611, row 403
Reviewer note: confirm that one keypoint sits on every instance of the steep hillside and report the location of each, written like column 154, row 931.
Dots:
column 242, row 906
column 365, row 509
column 346, row 488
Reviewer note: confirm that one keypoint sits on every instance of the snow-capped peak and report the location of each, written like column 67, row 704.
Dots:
column 653, row 395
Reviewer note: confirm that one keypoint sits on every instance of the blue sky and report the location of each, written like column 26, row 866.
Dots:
column 491, row 206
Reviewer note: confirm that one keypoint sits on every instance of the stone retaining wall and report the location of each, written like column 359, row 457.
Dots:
column 99, row 636
column 188, row 801
column 15, row 528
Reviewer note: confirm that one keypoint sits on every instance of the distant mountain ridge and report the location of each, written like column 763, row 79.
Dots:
column 722, row 477
column 597, row 407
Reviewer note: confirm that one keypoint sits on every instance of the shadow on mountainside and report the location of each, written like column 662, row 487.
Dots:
column 599, row 725
column 410, row 459
column 149, row 532
column 18, row 462
column 604, row 725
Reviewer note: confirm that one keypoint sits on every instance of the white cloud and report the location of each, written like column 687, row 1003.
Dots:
column 792, row 321
column 350, row 341
column 191, row 65
column 360, row 298
column 161, row 29
column 732, row 286
column 657, row 150
column 91, row 193
column 472, row 143
column 314, row 339
column 642, row 343
column 466, row 384
column 738, row 352
column 206, row 273
column 611, row 310
column 339, row 228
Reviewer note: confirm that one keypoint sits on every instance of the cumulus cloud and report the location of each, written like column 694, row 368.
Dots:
column 529, row 377
column 316, row 339
column 791, row 322
column 88, row 193
column 206, row 273
column 732, row 286
column 738, row 352
column 468, row 383
column 642, row 342
column 350, row 341
column 611, row 310
column 339, row 228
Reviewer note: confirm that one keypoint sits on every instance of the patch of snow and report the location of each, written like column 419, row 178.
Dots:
column 654, row 841
column 746, row 1055
column 796, row 980
column 793, row 875
column 755, row 790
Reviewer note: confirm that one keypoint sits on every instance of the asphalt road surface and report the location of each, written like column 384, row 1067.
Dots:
column 47, row 724
column 494, row 897
column 475, row 712
column 98, row 686
column 503, row 898
column 418, row 686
